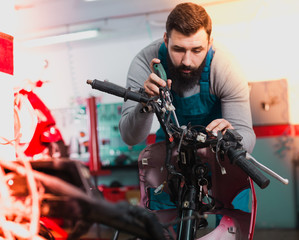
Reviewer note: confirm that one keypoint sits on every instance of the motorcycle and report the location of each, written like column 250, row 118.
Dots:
column 201, row 175
column 194, row 192
column 35, row 127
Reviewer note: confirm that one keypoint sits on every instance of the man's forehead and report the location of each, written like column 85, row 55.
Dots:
column 199, row 39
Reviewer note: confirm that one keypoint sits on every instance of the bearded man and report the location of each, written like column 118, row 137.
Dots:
column 207, row 87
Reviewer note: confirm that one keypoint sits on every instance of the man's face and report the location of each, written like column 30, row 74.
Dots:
column 188, row 51
column 187, row 55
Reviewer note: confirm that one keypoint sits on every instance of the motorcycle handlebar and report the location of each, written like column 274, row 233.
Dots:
column 117, row 90
column 238, row 157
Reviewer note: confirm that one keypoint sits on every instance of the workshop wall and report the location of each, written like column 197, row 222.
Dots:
column 265, row 44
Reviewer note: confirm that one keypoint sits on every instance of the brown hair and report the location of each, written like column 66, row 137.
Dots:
column 188, row 18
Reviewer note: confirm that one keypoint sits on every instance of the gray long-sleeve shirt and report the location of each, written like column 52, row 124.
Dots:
column 226, row 82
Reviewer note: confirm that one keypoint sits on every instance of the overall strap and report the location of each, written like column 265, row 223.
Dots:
column 205, row 75
column 162, row 55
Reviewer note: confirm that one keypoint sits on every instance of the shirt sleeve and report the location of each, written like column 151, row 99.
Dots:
column 135, row 126
column 230, row 85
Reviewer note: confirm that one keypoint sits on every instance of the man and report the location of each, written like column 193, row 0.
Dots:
column 207, row 88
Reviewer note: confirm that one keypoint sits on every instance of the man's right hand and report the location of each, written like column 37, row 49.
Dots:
column 152, row 84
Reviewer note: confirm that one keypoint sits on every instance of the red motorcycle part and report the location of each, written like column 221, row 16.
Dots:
column 225, row 188
column 46, row 131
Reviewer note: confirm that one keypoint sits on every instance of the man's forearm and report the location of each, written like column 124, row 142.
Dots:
column 134, row 126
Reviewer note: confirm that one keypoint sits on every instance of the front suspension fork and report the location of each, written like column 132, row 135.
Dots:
column 188, row 224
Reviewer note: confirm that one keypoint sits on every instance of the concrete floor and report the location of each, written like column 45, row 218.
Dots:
column 276, row 234
column 260, row 234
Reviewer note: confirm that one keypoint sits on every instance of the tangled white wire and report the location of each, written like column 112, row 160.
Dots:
column 19, row 213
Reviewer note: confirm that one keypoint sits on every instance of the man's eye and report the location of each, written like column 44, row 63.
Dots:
column 197, row 51
column 179, row 50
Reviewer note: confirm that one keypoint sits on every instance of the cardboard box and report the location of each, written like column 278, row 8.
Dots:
column 269, row 101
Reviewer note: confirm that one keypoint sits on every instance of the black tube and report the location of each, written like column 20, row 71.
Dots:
column 133, row 220
column 117, row 90
column 238, row 157
column 187, row 227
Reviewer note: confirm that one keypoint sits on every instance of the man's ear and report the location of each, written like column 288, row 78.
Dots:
column 165, row 39
column 211, row 41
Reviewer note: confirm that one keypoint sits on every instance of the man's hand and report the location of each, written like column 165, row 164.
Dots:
column 219, row 125
column 152, row 84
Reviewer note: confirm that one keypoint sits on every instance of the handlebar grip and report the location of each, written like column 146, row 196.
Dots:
column 117, row 90
column 238, row 157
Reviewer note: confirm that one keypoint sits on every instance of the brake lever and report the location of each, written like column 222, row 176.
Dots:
column 265, row 169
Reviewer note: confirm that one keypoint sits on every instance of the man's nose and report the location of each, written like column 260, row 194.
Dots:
column 186, row 59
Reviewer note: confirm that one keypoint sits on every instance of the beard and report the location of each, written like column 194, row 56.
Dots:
column 182, row 82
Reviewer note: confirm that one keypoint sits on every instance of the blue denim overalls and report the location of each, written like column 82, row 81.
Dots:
column 198, row 109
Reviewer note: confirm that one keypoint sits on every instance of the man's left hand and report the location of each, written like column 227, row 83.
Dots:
column 219, row 125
